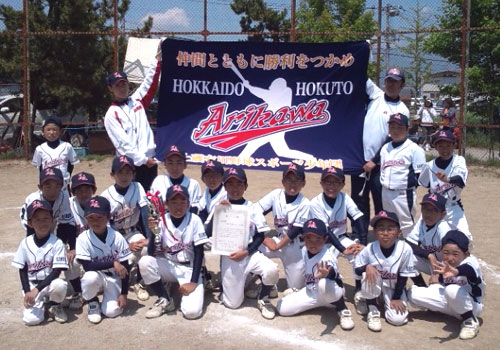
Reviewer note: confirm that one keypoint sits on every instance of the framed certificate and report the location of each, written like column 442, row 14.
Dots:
column 231, row 229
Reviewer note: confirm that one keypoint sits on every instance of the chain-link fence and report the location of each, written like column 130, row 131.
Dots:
column 54, row 56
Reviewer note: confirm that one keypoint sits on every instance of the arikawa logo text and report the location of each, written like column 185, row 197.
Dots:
column 225, row 132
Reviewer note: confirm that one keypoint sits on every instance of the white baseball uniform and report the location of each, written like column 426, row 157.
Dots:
column 287, row 215
column 40, row 262
column 127, row 123
column 59, row 157
column 397, row 176
column 176, row 264
column 317, row 292
column 399, row 263
column 126, row 212
column 90, row 248
column 454, row 296
column 376, row 128
column 336, row 218
column 454, row 212
column 162, row 183
column 79, row 215
column 234, row 273
column 430, row 240
column 208, row 203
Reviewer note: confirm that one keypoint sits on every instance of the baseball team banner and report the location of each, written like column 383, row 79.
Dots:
column 264, row 105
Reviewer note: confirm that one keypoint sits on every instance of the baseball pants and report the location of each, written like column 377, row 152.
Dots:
column 325, row 293
column 55, row 291
column 455, row 217
column 153, row 269
column 422, row 265
column 360, row 193
column 235, row 273
column 95, row 282
column 401, row 203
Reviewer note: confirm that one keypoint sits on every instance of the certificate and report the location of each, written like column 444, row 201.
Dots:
column 231, row 229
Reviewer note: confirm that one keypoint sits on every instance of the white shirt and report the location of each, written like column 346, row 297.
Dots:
column 162, row 183
column 429, row 239
column 79, row 215
column 125, row 210
column 327, row 255
column 59, row 157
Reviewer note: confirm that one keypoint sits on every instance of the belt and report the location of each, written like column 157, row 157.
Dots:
column 343, row 235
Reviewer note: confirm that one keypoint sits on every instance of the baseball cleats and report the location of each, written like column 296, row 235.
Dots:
column 374, row 323
column 75, row 302
column 57, row 313
column 290, row 291
column 266, row 308
column 94, row 312
column 346, row 322
column 253, row 293
column 161, row 306
column 141, row 292
column 360, row 304
column 470, row 328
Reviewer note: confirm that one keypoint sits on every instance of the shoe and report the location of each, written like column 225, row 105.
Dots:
column 360, row 304
column 274, row 292
column 94, row 312
column 470, row 328
column 346, row 321
column 211, row 284
column 427, row 148
column 266, row 308
column 141, row 292
column 75, row 302
column 161, row 306
column 253, row 293
column 290, row 291
column 374, row 323
column 58, row 314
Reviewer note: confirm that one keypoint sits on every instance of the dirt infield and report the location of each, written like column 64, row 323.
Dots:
column 244, row 328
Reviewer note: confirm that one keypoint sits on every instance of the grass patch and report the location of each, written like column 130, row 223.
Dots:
column 12, row 154
column 491, row 162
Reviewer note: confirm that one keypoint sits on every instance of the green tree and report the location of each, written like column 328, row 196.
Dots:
column 257, row 17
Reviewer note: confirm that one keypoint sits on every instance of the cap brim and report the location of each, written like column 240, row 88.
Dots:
column 374, row 221
column 175, row 153
column 392, row 76
column 117, row 81
column 40, row 208
column 233, row 176
column 83, row 183
column 177, row 194
column 51, row 178
column 340, row 177
column 431, row 203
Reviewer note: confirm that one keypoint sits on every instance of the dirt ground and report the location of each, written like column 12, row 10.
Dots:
column 243, row 328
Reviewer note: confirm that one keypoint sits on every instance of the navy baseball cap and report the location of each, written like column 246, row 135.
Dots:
column 436, row 200
column 175, row 190
column 52, row 119
column 398, row 118
column 315, row 226
column 444, row 135
column 38, row 205
column 51, row 174
column 395, row 73
column 237, row 173
column 175, row 150
column 97, row 205
column 456, row 237
column 83, row 179
column 296, row 169
column 213, row 165
column 383, row 214
column 333, row 171
column 121, row 161
column 115, row 77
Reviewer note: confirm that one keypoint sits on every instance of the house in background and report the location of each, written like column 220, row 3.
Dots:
column 431, row 91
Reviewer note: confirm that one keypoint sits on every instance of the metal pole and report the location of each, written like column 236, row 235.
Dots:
column 26, row 83
column 205, row 31
column 115, row 35
column 387, row 39
column 464, row 65
column 379, row 39
column 293, row 33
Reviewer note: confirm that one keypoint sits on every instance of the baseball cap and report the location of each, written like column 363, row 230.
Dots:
column 237, row 173
column 175, row 190
column 51, row 174
column 175, row 150
column 97, row 205
column 296, row 169
column 456, row 237
column 213, row 165
column 399, row 118
column 315, row 226
column 82, row 179
column 333, row 171
column 395, row 73
column 435, row 199
column 115, row 77
column 121, row 161
column 38, row 205
column 383, row 214
column 444, row 135
column 52, row 119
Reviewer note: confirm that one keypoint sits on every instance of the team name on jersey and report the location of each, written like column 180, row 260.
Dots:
column 39, row 265
column 443, row 187
column 387, row 275
column 310, row 279
column 107, row 258
column 177, row 247
column 337, row 223
column 123, row 214
column 393, row 162
column 54, row 162
column 431, row 248
column 280, row 222
column 454, row 280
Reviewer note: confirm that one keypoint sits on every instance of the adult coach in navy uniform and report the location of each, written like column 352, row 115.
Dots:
column 375, row 134
column 127, row 124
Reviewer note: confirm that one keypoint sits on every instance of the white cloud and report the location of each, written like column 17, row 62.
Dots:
column 174, row 19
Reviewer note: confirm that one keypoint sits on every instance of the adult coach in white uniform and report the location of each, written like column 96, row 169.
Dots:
column 127, row 124
column 375, row 134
